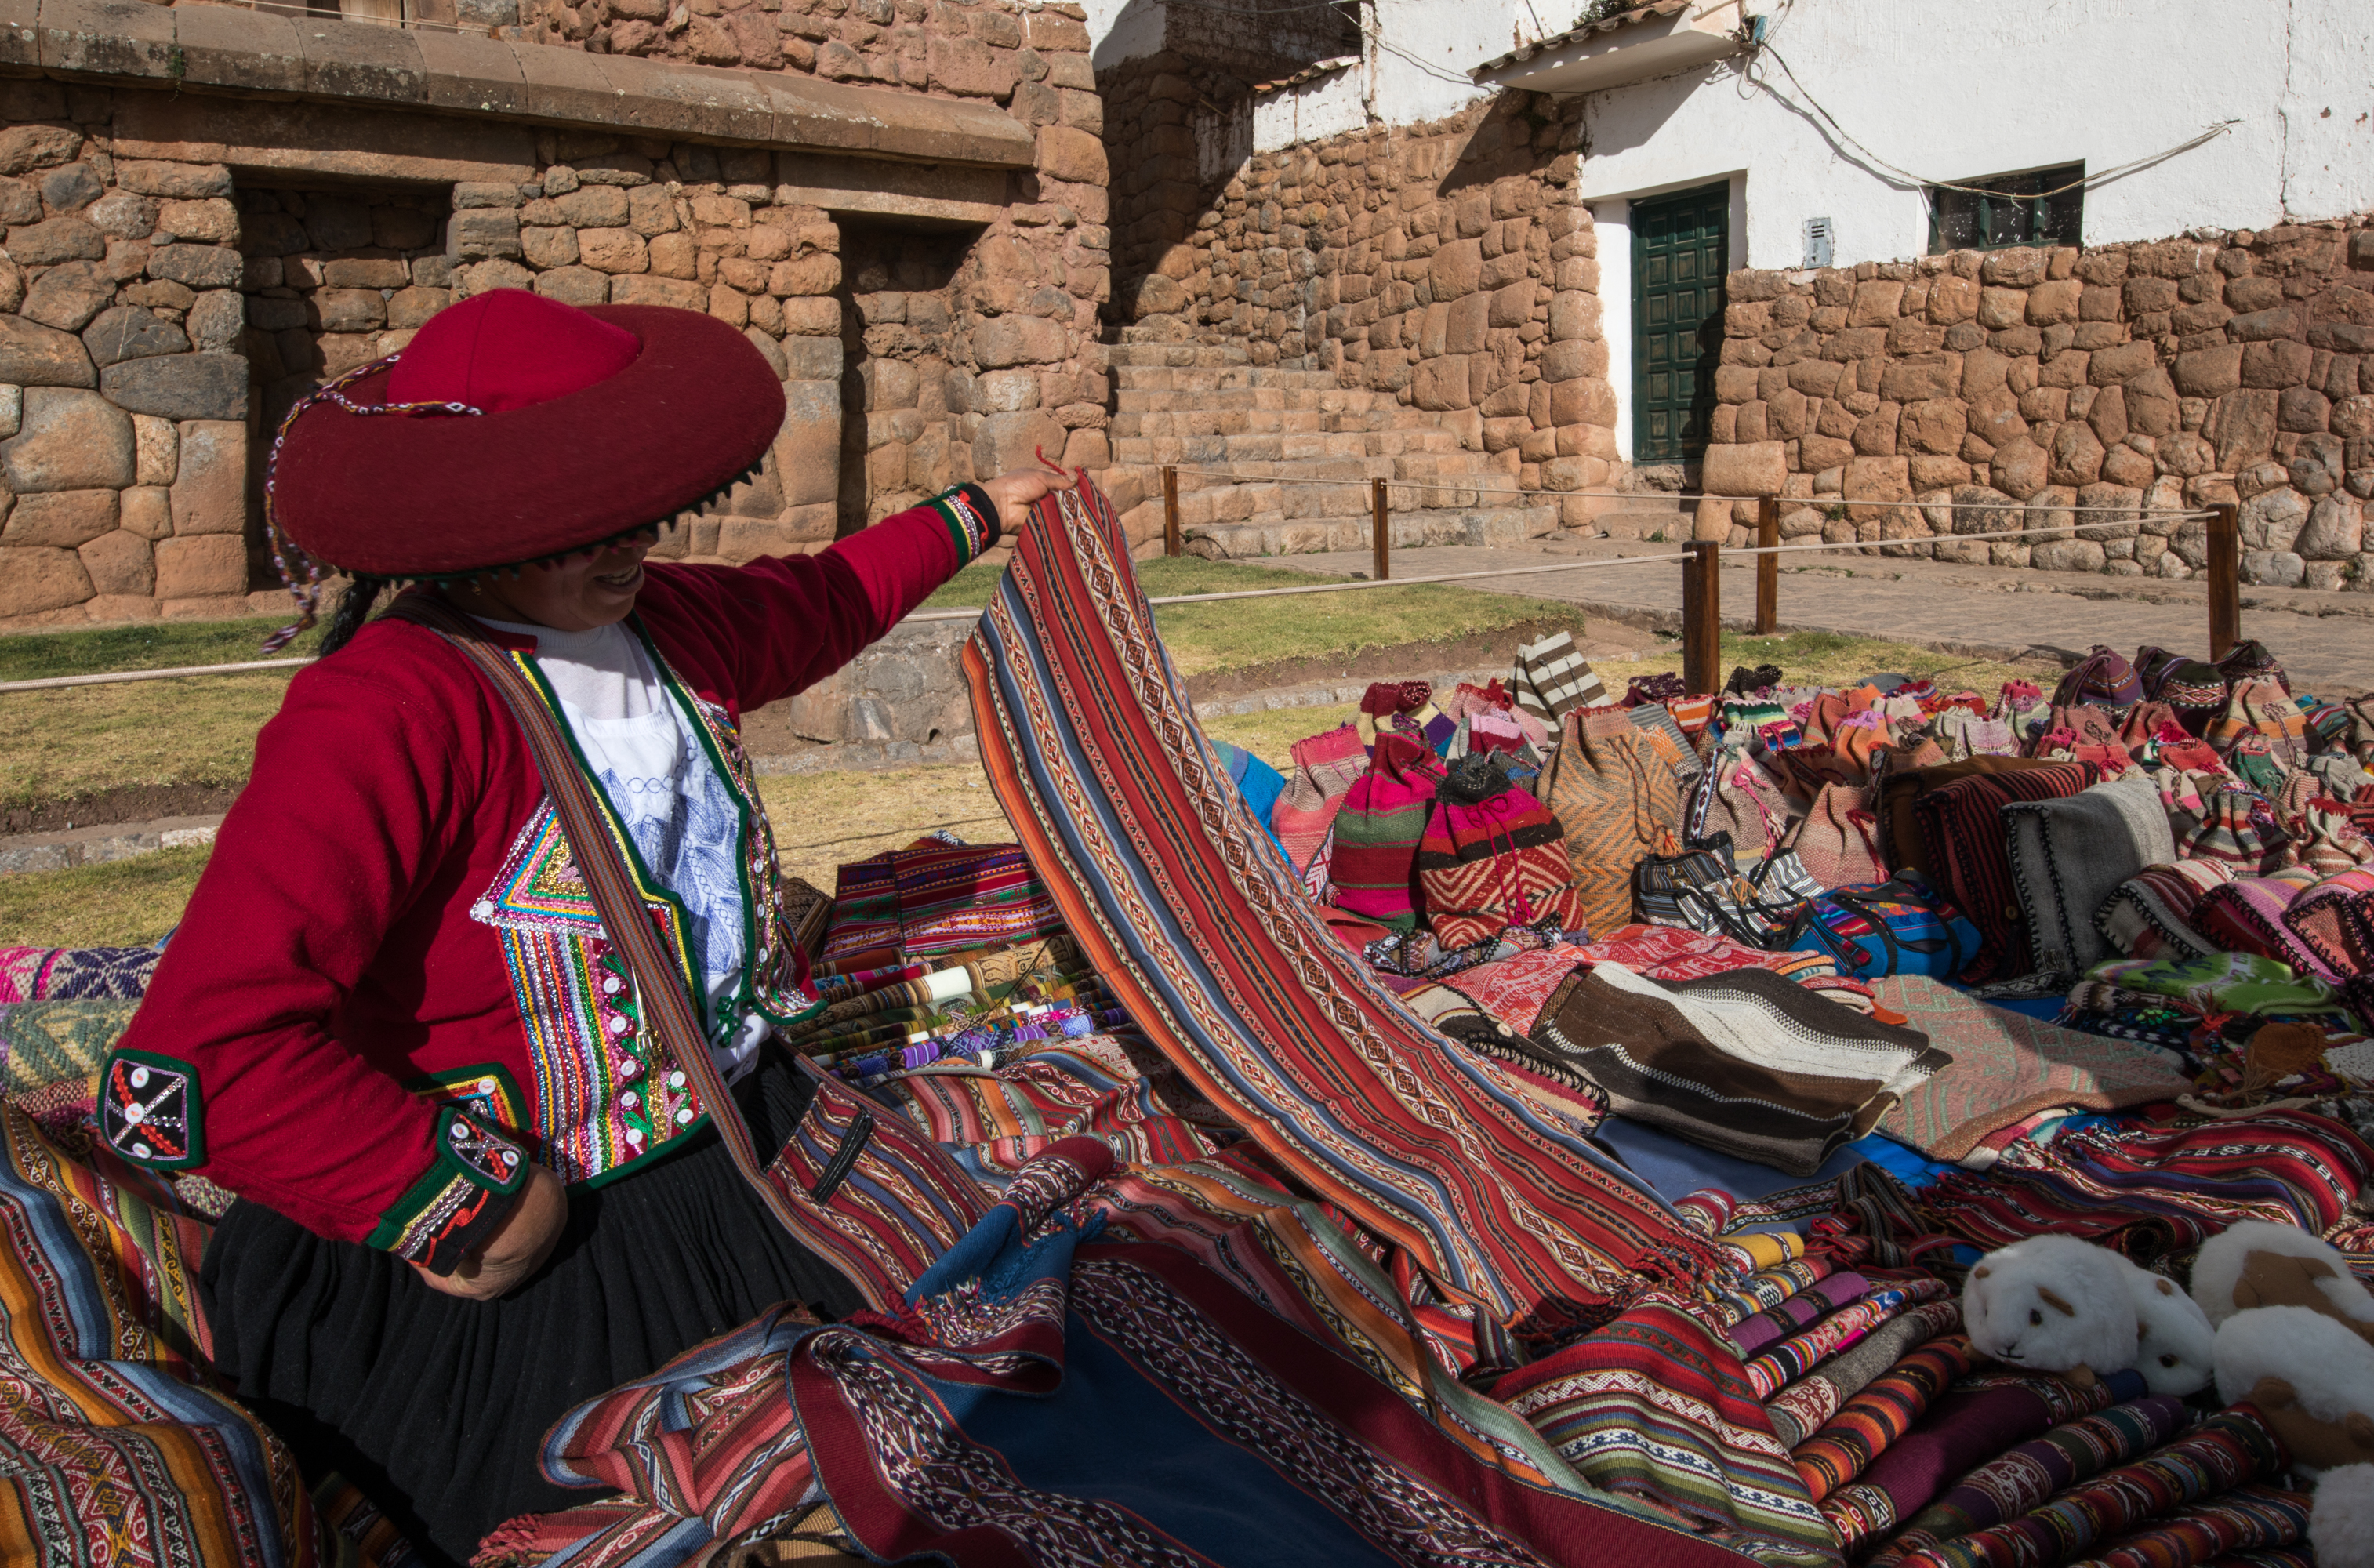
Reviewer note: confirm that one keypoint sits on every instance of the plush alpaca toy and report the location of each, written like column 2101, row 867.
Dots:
column 2311, row 1378
column 2341, row 1520
column 2177, row 1348
column 2054, row 1303
column 2257, row 1264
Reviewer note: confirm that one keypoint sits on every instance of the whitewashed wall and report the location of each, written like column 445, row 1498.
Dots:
column 1952, row 91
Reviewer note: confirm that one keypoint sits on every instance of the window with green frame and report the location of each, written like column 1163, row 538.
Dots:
column 2033, row 209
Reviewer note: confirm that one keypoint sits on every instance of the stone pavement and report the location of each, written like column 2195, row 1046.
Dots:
column 2325, row 639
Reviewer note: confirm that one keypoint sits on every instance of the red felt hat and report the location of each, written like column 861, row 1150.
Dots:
column 514, row 428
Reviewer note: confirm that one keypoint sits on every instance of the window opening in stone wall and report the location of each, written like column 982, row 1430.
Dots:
column 2043, row 206
column 900, row 429
column 334, row 278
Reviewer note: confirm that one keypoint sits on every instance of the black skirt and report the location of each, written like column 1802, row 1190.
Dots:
column 437, row 1408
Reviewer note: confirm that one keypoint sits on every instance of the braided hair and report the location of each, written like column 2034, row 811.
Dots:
column 353, row 608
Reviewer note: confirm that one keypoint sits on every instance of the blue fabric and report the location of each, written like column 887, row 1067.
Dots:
column 1256, row 781
column 1675, row 1169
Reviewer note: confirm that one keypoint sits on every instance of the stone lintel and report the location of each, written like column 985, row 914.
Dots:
column 204, row 51
column 947, row 192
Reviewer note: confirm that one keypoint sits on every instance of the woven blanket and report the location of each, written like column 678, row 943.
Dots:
column 1751, row 1335
column 2004, row 1065
column 1185, row 906
column 2150, row 914
column 2178, row 1187
column 67, row 974
column 2224, row 1452
column 1744, row 1062
column 1653, row 1407
column 1733, row 1302
column 1514, row 990
column 2024, row 1477
column 2249, row 1518
column 1800, row 1409
column 1963, row 835
column 1979, row 1419
column 957, row 897
column 1871, row 1422
column 1043, row 1399
column 48, row 1042
column 1789, row 1361
column 2069, row 855
column 119, row 1450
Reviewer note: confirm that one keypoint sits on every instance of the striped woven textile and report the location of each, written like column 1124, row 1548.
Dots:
column 118, row 1450
column 2229, row 1449
column 2249, row 1518
column 1883, row 1412
column 1980, row 1419
column 1794, row 1357
column 1765, row 1289
column 1962, row 833
column 1653, row 1407
column 953, row 898
column 2181, row 1185
column 1801, row 1408
column 75, row 975
column 2026, row 1476
column 1551, row 677
column 1183, row 903
column 1751, row 1335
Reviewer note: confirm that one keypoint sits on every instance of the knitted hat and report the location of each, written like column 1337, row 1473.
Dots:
column 513, row 428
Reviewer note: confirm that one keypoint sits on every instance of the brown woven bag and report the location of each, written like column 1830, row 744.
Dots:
column 1618, row 802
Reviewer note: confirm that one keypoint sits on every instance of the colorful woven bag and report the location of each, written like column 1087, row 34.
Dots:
column 1325, row 768
column 1898, row 926
column 1737, row 799
column 1492, row 857
column 2265, row 708
column 1701, row 890
column 1380, row 829
column 1617, row 802
column 2103, row 677
column 1838, row 841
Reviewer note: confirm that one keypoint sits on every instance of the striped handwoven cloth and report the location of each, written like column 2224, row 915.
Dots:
column 1979, row 1419
column 1794, row 1357
column 2229, row 1449
column 1181, row 900
column 2026, row 1476
column 1799, row 1410
column 956, row 897
column 1751, row 1335
column 1653, row 1406
column 1551, row 677
column 1962, row 833
column 1765, row 1289
column 1883, row 1412
column 2249, row 1518
column 2286, row 1166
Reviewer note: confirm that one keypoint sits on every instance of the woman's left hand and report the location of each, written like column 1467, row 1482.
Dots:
column 1015, row 493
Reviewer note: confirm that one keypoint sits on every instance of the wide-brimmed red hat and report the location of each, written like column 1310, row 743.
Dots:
column 513, row 428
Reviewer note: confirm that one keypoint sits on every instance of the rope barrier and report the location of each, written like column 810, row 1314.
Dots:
column 2068, row 531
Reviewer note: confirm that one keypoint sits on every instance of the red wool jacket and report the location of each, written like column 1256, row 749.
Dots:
column 330, row 966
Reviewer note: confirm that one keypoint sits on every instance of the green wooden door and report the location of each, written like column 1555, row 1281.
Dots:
column 1681, row 248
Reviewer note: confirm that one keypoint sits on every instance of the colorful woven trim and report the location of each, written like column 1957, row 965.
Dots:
column 971, row 522
column 150, row 1112
column 459, row 1200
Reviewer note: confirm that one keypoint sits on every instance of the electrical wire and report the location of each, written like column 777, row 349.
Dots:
column 2208, row 135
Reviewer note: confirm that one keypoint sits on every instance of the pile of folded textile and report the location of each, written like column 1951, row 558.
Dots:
column 1532, row 1127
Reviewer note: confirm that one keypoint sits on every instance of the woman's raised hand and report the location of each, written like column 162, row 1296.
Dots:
column 517, row 1250
column 1015, row 492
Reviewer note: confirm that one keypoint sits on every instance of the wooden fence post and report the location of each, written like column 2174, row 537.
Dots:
column 1768, row 567
column 2224, row 581
column 1170, row 511
column 1380, row 531
column 1702, row 617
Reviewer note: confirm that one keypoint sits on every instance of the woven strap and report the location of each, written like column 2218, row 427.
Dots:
column 876, row 1197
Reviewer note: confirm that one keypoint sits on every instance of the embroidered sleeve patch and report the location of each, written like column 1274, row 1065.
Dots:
column 460, row 1201
column 150, row 1111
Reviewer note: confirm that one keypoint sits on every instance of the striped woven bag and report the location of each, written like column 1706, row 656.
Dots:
column 1618, row 802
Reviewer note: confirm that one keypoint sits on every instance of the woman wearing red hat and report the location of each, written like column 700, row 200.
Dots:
column 471, row 1191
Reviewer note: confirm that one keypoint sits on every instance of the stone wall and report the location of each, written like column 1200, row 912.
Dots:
column 1900, row 402
column 180, row 267
column 1447, row 264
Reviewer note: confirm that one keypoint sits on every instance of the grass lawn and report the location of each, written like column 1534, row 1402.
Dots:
column 124, row 904
column 56, row 744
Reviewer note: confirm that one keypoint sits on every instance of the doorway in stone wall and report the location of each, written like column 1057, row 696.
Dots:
column 1681, row 251
column 334, row 276
column 902, row 403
